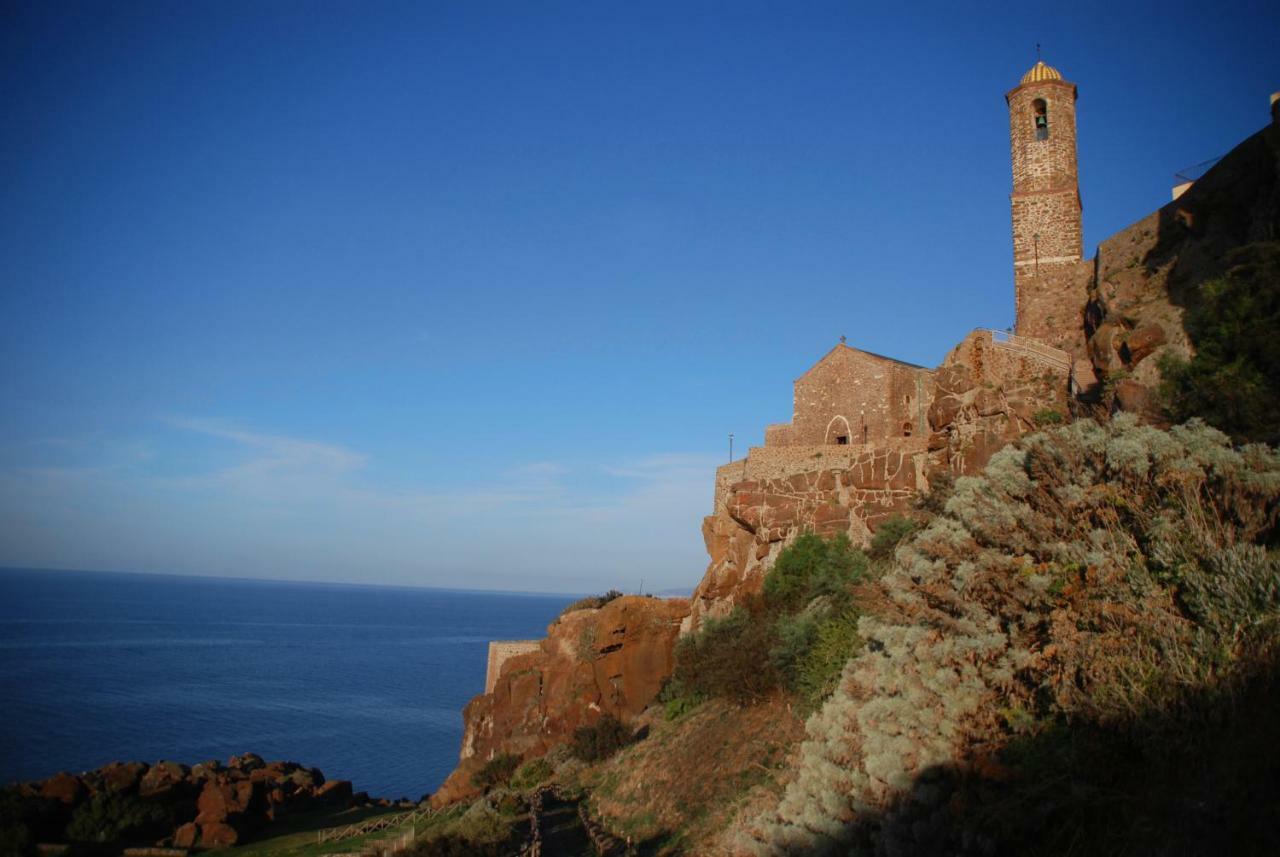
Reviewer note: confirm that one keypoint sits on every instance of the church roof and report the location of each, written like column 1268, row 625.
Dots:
column 843, row 348
column 1040, row 72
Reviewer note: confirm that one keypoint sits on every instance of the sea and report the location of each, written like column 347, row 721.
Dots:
column 366, row 683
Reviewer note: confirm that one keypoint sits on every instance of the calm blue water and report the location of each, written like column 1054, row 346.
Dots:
column 367, row 683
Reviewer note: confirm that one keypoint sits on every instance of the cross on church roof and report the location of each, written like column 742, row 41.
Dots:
column 842, row 339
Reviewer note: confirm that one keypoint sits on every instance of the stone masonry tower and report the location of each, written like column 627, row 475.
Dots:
column 1049, row 288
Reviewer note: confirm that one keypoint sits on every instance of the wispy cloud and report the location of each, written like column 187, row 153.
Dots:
column 274, row 500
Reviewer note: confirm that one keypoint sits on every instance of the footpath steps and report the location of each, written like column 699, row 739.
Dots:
column 561, row 826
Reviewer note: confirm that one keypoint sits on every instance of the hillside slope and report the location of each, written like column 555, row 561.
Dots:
column 1091, row 608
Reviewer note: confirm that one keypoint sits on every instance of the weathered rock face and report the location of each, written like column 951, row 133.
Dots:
column 213, row 806
column 610, row 660
column 1146, row 274
column 986, row 393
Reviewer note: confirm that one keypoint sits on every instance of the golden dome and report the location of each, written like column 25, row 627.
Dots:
column 1040, row 72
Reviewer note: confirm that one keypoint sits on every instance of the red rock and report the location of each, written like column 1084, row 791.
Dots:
column 1140, row 343
column 223, row 801
column 943, row 411
column 218, row 835
column 64, row 788
column 246, row 762
column 122, row 777
column 613, row 660
column 336, row 792
column 164, row 778
column 186, row 836
column 956, row 378
column 1134, row 397
column 987, row 402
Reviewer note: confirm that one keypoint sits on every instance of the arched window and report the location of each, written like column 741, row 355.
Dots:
column 906, row 429
column 1041, row 112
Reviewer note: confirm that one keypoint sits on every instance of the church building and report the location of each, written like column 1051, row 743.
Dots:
column 855, row 397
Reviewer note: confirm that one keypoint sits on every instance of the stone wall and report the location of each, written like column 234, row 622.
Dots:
column 764, row 463
column 855, row 397
column 499, row 652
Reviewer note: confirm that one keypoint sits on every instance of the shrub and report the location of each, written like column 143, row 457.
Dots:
column 835, row 640
column 728, row 658
column 592, row 602
column 116, row 818
column 888, row 534
column 601, row 739
column 794, row 636
column 812, row 566
column 531, row 773
column 1110, row 580
column 496, row 772
column 1047, row 417
column 1233, row 381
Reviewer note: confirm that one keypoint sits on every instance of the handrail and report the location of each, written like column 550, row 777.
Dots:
column 382, row 822
column 1027, row 345
column 1195, row 171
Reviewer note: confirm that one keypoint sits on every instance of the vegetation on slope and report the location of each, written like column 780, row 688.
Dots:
column 1233, row 381
column 796, row 636
column 1074, row 657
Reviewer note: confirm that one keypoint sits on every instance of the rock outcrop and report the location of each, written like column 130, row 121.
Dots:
column 607, row 660
column 210, row 805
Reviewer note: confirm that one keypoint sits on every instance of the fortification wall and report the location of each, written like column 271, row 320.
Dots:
column 768, row 463
column 500, row 651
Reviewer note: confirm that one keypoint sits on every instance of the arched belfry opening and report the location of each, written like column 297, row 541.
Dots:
column 838, row 432
column 1040, row 113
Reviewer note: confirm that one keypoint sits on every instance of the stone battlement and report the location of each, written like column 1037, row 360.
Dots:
column 500, row 651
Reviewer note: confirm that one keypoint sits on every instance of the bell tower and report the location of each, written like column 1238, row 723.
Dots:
column 1047, row 239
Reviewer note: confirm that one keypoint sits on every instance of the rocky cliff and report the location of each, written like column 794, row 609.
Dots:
column 607, row 660
column 1147, row 275
column 990, row 391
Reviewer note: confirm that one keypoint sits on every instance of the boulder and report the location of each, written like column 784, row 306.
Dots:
column 1134, row 397
column 186, row 836
column 218, row 835
column 943, row 411
column 122, row 778
column 64, row 788
column 246, row 762
column 1141, row 343
column 220, row 801
column 335, row 792
column 956, row 378
column 164, row 779
column 988, row 403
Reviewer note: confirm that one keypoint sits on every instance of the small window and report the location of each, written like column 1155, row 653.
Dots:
column 906, row 429
column 842, row 440
column 1041, row 111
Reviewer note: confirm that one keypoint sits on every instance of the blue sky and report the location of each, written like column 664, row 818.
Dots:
column 471, row 294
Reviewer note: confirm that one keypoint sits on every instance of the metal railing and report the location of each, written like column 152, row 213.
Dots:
column 1030, row 347
column 1195, row 171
